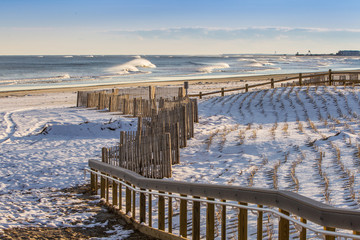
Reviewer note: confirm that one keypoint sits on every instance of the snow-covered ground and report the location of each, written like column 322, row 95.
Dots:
column 273, row 138
column 45, row 145
column 299, row 139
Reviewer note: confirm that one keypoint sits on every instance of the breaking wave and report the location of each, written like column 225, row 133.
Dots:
column 132, row 66
column 211, row 68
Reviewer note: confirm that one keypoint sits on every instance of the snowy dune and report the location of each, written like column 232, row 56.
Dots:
column 299, row 139
column 274, row 138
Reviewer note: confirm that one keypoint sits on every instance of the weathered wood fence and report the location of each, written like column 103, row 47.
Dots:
column 126, row 102
column 330, row 78
column 155, row 146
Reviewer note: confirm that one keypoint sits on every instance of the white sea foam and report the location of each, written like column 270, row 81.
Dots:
column 132, row 66
column 213, row 67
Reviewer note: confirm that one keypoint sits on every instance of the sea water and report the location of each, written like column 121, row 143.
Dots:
column 37, row 72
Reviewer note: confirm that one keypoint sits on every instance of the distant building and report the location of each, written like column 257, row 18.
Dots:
column 348, row 53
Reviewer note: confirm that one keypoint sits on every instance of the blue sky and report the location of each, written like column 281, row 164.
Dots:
column 177, row 27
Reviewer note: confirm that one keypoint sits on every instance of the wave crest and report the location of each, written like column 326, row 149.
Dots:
column 213, row 67
column 132, row 66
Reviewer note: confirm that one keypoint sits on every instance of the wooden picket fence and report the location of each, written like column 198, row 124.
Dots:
column 149, row 156
column 155, row 146
column 126, row 102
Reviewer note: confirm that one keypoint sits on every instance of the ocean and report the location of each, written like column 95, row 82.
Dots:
column 38, row 72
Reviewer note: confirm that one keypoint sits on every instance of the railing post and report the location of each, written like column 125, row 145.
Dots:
column 128, row 200
column 222, row 92
column 300, row 79
column 260, row 224
column 161, row 212
column 330, row 78
column 120, row 196
column 246, row 87
column 133, row 203
column 243, row 223
column 272, row 83
column 114, row 193
column 142, row 206
column 283, row 226
column 183, row 217
column 200, row 95
column 210, row 220
column 327, row 237
column 93, row 182
column 303, row 230
column 150, row 209
column 196, row 219
column 223, row 221
column 170, row 214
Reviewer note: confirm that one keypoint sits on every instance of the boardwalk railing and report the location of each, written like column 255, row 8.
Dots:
column 330, row 78
column 252, row 206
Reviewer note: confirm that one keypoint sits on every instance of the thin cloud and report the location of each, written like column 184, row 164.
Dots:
column 230, row 33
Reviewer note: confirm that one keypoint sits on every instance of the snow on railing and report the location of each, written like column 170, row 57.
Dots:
column 227, row 211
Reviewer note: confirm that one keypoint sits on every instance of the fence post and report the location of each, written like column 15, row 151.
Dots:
column 223, row 221
column 150, row 209
column 183, row 217
column 300, row 79
column 152, row 93
column 330, row 78
column 243, row 223
column 246, row 87
column 170, row 213
column 210, row 220
column 142, row 207
column 327, row 237
column 93, row 182
column 161, row 209
column 200, row 95
column 260, row 224
column 272, row 83
column 283, row 226
column 102, row 179
column 114, row 195
column 196, row 219
column 222, row 92
column 303, row 230
column 128, row 199
column 135, row 107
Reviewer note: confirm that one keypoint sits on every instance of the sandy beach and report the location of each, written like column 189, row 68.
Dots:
column 46, row 142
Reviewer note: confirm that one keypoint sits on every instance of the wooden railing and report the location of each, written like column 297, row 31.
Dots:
column 311, row 218
column 328, row 78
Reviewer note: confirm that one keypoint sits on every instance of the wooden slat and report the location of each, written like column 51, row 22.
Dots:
column 210, row 220
column 183, row 217
column 243, row 223
column 327, row 237
column 161, row 212
column 223, row 221
column 259, row 233
column 283, row 226
column 196, row 219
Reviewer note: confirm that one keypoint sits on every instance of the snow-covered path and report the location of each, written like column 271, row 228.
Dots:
column 45, row 143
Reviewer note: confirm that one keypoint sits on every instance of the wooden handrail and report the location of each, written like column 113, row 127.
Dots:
column 299, row 205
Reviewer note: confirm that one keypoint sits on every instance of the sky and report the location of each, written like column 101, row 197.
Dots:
column 60, row 27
